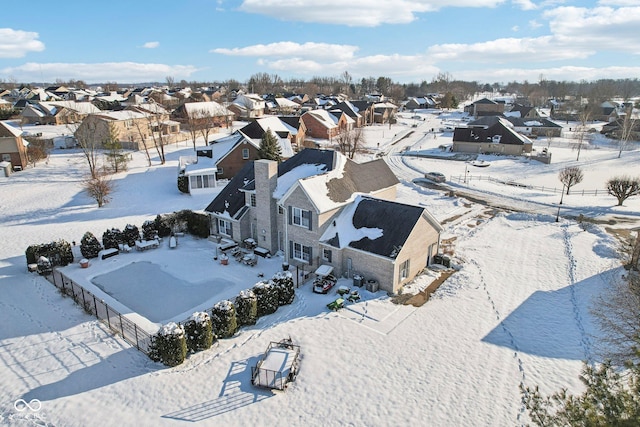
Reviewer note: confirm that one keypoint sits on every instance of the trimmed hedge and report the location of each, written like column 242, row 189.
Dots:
column 183, row 183
column 89, row 245
column 112, row 238
column 131, row 234
column 169, row 345
column 246, row 308
column 267, row 296
column 199, row 332
column 223, row 319
column 58, row 253
column 283, row 282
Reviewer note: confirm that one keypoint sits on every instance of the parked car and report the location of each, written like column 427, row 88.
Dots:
column 435, row 176
column 323, row 284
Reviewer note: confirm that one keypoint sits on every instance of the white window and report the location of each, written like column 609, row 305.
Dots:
column 300, row 217
column 224, row 227
column 245, row 153
column 220, row 170
column 253, row 199
column 280, row 210
column 202, row 181
column 301, row 252
column 326, row 255
column 404, row 270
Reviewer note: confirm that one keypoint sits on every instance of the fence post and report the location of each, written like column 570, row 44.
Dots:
column 84, row 301
column 106, row 307
column 135, row 331
column 95, row 305
column 121, row 327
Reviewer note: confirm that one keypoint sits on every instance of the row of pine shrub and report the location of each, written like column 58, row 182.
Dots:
column 173, row 341
column 59, row 253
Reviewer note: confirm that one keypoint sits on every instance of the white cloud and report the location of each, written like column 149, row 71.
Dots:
column 124, row 72
column 525, row 4
column 515, row 28
column 17, row 43
column 151, row 45
column 564, row 73
column 507, row 50
column 602, row 28
column 282, row 49
column 355, row 13
column 400, row 67
column 534, row 24
column 618, row 2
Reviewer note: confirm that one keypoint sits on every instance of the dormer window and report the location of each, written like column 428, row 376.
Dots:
column 252, row 199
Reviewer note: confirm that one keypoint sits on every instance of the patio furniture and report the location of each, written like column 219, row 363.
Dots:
column 108, row 253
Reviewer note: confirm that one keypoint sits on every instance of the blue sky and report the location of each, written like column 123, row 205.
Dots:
column 131, row 41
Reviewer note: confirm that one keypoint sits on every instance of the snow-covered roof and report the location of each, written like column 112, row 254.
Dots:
column 209, row 108
column 80, row 107
column 343, row 227
column 286, row 103
column 325, row 118
column 13, row 131
column 123, row 115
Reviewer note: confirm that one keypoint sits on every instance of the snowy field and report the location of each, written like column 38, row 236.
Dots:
column 516, row 312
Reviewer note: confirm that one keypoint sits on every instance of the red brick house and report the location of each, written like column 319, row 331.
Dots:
column 326, row 124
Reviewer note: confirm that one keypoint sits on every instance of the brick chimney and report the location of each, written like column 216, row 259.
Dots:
column 266, row 180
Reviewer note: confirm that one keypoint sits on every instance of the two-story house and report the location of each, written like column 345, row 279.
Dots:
column 321, row 208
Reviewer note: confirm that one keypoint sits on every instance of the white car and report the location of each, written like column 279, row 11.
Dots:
column 435, row 176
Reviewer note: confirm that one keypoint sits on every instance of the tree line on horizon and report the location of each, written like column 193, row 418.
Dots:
column 538, row 93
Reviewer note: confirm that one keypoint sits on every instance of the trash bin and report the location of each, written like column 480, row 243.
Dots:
column 437, row 259
column 446, row 261
column 358, row 280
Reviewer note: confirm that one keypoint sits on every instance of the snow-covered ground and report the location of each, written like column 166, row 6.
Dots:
column 517, row 311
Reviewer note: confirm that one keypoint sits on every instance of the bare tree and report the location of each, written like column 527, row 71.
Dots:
column 37, row 150
column 626, row 130
column 570, row 176
column 350, row 141
column 88, row 143
column 581, row 129
column 194, row 120
column 616, row 312
column 159, row 141
column 139, row 127
column 623, row 187
column 99, row 188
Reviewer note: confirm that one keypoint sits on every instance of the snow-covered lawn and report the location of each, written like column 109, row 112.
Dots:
column 516, row 312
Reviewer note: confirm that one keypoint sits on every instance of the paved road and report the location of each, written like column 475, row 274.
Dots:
column 407, row 172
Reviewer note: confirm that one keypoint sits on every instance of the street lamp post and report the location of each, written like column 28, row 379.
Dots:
column 466, row 171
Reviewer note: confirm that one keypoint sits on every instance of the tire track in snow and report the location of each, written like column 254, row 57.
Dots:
column 523, row 409
column 585, row 342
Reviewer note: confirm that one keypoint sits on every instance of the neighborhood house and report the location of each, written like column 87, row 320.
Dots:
column 321, row 208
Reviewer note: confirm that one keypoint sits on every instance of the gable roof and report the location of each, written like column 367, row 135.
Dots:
column 331, row 190
column 348, row 108
column 231, row 199
column 210, row 108
column 373, row 225
column 502, row 127
column 6, row 130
